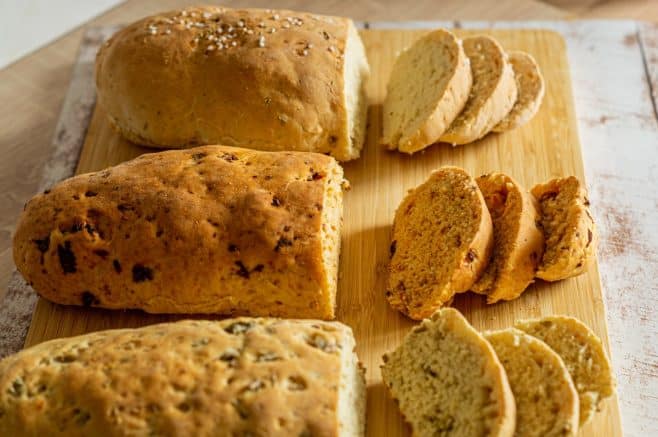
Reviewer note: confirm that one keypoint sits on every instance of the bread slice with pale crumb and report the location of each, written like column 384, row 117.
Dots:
column 518, row 239
column 569, row 229
column 441, row 243
column 530, row 87
column 492, row 95
column 428, row 87
column 447, row 380
column 583, row 354
column 545, row 396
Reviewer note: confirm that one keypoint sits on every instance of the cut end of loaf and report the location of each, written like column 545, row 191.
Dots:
column 332, row 220
column 352, row 394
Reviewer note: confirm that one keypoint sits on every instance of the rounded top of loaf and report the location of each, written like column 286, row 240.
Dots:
column 270, row 80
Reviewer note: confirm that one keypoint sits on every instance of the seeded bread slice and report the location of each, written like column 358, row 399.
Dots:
column 259, row 377
column 441, row 243
column 530, row 86
column 569, row 229
column 492, row 95
column 447, row 380
column 518, row 241
column 583, row 354
column 546, row 400
column 429, row 86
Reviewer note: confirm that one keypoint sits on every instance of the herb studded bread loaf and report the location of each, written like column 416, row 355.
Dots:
column 546, row 400
column 237, row 377
column 518, row 240
column 207, row 230
column 530, row 86
column 492, row 95
column 262, row 79
column 583, row 354
column 428, row 87
column 447, row 380
column 569, row 229
column 441, row 243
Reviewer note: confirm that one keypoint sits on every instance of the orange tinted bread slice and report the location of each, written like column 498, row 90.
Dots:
column 448, row 380
column 492, row 95
column 530, row 86
column 441, row 243
column 569, row 229
column 429, row 86
column 518, row 241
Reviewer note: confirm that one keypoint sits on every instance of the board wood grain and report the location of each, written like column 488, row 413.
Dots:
column 546, row 147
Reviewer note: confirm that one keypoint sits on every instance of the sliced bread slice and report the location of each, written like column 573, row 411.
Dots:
column 530, row 87
column 546, row 400
column 429, row 86
column 582, row 352
column 569, row 228
column 518, row 241
column 492, row 95
column 447, row 380
column 441, row 243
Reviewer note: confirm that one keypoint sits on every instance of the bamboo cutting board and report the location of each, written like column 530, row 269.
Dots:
column 546, row 147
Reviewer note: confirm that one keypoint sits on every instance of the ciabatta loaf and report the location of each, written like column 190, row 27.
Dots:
column 546, row 400
column 207, row 230
column 441, row 243
column 262, row 79
column 492, row 95
column 448, row 380
column 569, row 228
column 530, row 86
column 582, row 352
column 428, row 87
column 259, row 377
column 518, row 239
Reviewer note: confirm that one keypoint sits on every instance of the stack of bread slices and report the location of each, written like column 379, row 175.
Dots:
column 462, row 90
column 454, row 233
column 542, row 377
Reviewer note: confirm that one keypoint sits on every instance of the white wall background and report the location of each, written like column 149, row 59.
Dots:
column 26, row 25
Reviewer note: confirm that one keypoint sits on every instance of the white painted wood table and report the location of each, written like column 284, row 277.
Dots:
column 614, row 69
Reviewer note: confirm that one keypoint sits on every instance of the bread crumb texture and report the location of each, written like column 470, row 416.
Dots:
column 447, row 380
column 583, row 354
column 530, row 86
column 518, row 238
column 492, row 95
column 257, row 78
column 569, row 229
column 428, row 87
column 546, row 400
column 441, row 242
column 207, row 230
column 259, row 377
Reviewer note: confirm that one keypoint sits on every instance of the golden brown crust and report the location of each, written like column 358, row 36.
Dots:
column 569, row 229
column 212, row 229
column 518, row 239
column 441, row 242
column 234, row 377
column 212, row 75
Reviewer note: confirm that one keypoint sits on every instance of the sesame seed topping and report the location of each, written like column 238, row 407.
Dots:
column 305, row 52
column 207, row 15
column 275, row 16
column 233, row 43
column 272, row 30
column 261, row 41
column 241, row 23
column 210, row 48
column 261, row 24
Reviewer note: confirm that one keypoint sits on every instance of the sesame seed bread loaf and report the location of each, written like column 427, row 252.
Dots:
column 530, row 86
column 582, row 352
column 447, row 380
column 262, row 79
column 428, row 87
column 441, row 242
column 212, row 229
column 518, row 242
column 546, row 400
column 492, row 95
column 569, row 229
column 237, row 377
